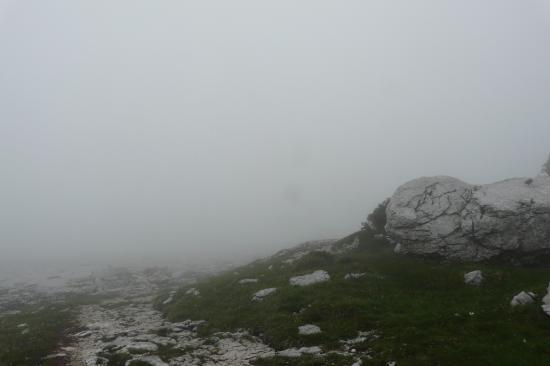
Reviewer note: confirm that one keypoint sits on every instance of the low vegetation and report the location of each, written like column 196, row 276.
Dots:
column 420, row 309
column 33, row 333
column 37, row 330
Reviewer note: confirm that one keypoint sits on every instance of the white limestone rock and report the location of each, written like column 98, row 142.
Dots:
column 168, row 300
column 248, row 280
column 141, row 347
column 523, row 298
column 83, row 334
column 150, row 360
column 260, row 295
column 310, row 279
column 297, row 352
column 473, row 278
column 446, row 217
column 290, row 353
column 54, row 356
column 308, row 329
column 354, row 276
column 193, row 292
column 546, row 301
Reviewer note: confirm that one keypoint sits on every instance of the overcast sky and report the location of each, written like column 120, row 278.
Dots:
column 217, row 129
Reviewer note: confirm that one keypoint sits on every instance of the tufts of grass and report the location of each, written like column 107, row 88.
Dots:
column 45, row 326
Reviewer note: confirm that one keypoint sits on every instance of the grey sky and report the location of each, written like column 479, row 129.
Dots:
column 224, row 128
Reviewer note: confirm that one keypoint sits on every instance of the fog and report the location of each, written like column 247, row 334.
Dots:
column 194, row 130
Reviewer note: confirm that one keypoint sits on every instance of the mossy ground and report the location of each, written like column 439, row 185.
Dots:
column 421, row 309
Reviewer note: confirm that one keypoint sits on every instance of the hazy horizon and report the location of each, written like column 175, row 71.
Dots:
column 217, row 130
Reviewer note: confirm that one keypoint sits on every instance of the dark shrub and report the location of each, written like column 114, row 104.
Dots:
column 376, row 220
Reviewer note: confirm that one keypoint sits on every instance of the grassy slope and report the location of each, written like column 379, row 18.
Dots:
column 420, row 308
column 48, row 325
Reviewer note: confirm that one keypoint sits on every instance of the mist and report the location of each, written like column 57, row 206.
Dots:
column 216, row 130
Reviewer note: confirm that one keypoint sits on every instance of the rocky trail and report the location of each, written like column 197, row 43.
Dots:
column 127, row 329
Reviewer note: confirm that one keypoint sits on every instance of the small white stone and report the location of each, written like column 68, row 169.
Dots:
column 523, row 298
column 248, row 280
column 473, row 278
column 355, row 276
column 84, row 333
column 294, row 352
column 546, row 301
column 310, row 279
column 259, row 296
column 290, row 353
column 137, row 347
column 56, row 355
column 308, row 329
column 397, row 248
column 193, row 291
column 151, row 360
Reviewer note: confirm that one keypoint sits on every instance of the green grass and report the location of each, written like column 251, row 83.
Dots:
column 46, row 325
column 420, row 309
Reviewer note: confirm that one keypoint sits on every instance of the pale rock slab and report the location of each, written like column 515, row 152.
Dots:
column 310, row 279
column 150, row 360
column 193, row 292
column 248, row 280
column 546, row 301
column 260, row 295
column 141, row 347
column 473, row 278
column 308, row 329
column 523, row 298
column 297, row 352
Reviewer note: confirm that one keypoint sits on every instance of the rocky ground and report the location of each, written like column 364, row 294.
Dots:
column 127, row 329
column 115, row 322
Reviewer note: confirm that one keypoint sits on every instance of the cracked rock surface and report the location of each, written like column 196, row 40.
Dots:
column 446, row 217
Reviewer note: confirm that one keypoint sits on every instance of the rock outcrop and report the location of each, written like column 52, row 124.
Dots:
column 445, row 217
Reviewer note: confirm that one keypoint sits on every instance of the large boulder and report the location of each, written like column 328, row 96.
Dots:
column 445, row 217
